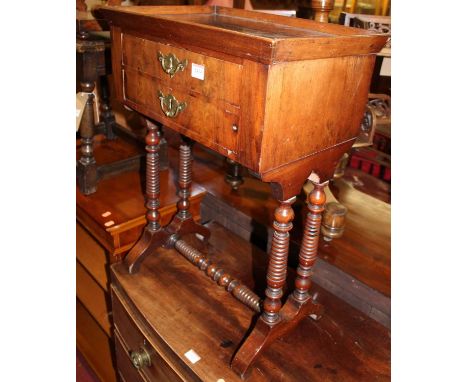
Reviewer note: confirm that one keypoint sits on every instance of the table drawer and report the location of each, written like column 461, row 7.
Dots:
column 221, row 79
column 213, row 123
column 164, row 365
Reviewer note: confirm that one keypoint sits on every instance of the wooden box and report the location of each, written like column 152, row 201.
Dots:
column 281, row 96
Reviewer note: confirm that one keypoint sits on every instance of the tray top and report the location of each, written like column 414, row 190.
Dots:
column 258, row 36
column 248, row 26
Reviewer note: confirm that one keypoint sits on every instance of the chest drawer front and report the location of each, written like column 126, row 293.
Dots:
column 126, row 370
column 213, row 124
column 165, row 365
column 221, row 79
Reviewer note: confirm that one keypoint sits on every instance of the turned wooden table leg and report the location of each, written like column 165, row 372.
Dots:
column 270, row 325
column 233, row 174
column 89, row 54
column 183, row 222
column 278, row 262
column 277, row 320
column 310, row 241
column 185, row 180
column 86, row 170
column 107, row 116
column 153, row 235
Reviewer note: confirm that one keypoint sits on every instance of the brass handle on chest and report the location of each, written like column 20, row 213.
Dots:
column 140, row 358
column 171, row 64
column 170, row 106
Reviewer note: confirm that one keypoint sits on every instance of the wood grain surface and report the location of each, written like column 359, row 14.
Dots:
column 94, row 344
column 190, row 312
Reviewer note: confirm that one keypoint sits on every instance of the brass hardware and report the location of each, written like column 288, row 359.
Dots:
column 171, row 64
column 170, row 106
column 140, row 358
column 235, row 128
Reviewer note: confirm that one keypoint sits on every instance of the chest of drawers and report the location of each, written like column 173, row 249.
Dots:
column 284, row 97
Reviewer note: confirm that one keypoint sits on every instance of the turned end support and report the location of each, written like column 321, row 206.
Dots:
column 310, row 240
column 278, row 261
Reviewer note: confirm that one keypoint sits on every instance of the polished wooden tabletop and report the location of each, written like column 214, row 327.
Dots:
column 189, row 311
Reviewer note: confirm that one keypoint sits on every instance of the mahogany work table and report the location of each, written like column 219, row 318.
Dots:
column 283, row 97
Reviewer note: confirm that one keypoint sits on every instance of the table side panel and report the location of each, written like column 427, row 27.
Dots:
column 254, row 90
column 295, row 49
column 313, row 105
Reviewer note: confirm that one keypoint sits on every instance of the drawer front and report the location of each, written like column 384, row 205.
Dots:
column 126, row 370
column 221, row 79
column 132, row 339
column 214, row 124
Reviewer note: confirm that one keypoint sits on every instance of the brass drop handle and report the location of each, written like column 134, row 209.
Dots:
column 140, row 358
column 171, row 64
column 170, row 106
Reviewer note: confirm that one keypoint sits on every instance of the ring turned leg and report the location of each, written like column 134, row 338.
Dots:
column 183, row 222
column 275, row 320
column 269, row 325
column 185, row 180
column 310, row 240
column 278, row 262
column 153, row 235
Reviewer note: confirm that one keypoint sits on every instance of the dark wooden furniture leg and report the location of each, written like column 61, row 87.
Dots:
column 183, row 222
column 86, row 170
column 153, row 235
column 277, row 320
column 88, row 54
column 107, row 115
column 233, row 174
